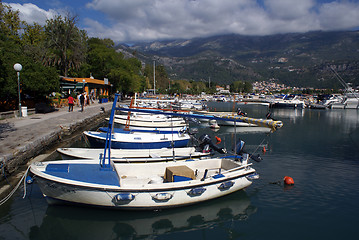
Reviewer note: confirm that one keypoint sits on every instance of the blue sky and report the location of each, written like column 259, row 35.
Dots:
column 149, row 20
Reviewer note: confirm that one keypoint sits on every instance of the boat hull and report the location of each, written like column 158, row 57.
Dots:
column 237, row 123
column 164, row 124
column 132, row 155
column 136, row 194
column 138, row 141
column 287, row 105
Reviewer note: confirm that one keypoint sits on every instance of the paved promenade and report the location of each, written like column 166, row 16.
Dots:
column 24, row 138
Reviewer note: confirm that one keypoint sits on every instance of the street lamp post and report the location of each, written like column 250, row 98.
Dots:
column 18, row 68
column 83, row 85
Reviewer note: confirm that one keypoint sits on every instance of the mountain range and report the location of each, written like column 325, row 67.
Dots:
column 295, row 59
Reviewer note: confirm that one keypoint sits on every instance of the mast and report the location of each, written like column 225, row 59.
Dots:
column 154, row 77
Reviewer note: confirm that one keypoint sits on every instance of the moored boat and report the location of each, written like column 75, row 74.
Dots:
column 141, row 186
column 148, row 118
column 137, row 140
column 287, row 101
column 133, row 155
column 158, row 124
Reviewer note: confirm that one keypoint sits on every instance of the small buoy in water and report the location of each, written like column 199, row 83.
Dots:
column 29, row 180
column 264, row 150
column 219, row 140
column 288, row 180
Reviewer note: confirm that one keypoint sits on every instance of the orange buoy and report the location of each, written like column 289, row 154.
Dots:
column 264, row 150
column 288, row 180
column 219, row 140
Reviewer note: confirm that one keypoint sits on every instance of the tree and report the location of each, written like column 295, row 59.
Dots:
column 241, row 87
column 66, row 44
column 36, row 80
column 10, row 23
column 162, row 81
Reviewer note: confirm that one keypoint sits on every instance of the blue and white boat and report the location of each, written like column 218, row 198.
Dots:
column 138, row 140
column 165, row 123
column 141, row 186
column 157, row 131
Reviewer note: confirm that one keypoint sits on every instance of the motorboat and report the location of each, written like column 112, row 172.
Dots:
column 287, row 101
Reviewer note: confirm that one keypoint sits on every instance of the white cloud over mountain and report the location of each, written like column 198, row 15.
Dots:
column 138, row 20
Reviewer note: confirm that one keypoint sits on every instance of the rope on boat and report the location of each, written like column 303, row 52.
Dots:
column 23, row 179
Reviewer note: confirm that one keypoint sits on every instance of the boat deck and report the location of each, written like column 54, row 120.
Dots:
column 89, row 173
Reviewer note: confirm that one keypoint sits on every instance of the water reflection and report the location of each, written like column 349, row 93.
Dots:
column 68, row 222
column 348, row 119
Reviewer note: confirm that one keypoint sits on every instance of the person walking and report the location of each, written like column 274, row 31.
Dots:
column 82, row 101
column 70, row 100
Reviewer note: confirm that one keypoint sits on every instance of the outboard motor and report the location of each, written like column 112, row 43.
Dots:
column 240, row 150
column 207, row 145
column 240, row 147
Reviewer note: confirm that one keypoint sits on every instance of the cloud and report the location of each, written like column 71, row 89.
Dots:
column 143, row 20
column 339, row 15
column 158, row 19
column 32, row 13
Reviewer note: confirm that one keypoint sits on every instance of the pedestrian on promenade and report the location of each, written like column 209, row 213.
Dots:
column 78, row 99
column 82, row 101
column 70, row 100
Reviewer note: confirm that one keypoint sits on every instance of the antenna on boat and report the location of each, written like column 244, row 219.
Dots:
column 346, row 85
column 172, row 143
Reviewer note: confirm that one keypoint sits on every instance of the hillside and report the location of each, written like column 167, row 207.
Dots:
column 295, row 59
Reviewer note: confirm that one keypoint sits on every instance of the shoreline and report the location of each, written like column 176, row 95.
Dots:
column 35, row 137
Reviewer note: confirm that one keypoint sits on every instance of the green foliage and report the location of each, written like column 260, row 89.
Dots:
column 103, row 60
column 9, row 22
column 36, row 80
column 65, row 44
column 241, row 87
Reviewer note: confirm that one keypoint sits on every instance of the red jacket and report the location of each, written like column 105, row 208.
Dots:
column 71, row 100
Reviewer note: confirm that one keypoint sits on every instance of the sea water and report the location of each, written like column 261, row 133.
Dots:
column 319, row 149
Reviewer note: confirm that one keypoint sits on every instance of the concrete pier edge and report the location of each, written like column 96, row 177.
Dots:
column 14, row 163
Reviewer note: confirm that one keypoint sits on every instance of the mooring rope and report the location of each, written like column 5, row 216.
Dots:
column 23, row 178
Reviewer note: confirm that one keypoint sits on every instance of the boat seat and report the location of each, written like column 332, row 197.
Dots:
column 133, row 181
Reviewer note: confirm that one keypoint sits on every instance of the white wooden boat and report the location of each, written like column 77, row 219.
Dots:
column 141, row 186
column 158, row 124
column 137, row 140
column 149, row 118
column 161, row 129
column 133, row 155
